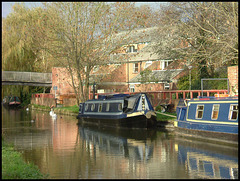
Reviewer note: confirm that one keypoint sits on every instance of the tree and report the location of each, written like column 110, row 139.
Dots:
column 81, row 35
column 204, row 33
column 17, row 47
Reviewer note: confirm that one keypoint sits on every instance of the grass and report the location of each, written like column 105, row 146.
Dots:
column 74, row 109
column 161, row 117
column 14, row 167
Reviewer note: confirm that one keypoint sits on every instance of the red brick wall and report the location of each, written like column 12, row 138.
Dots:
column 118, row 75
column 233, row 79
column 62, row 79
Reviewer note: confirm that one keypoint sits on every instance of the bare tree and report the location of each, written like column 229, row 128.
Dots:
column 81, row 35
column 205, row 33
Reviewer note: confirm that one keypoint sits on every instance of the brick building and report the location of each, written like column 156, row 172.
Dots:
column 134, row 67
column 233, row 79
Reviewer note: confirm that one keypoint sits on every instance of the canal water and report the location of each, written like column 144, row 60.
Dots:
column 64, row 150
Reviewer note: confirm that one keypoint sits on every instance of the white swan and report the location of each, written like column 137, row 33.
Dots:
column 54, row 116
column 51, row 112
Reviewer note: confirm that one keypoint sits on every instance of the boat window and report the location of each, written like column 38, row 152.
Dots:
column 86, row 107
column 131, row 102
column 199, row 113
column 120, row 106
column 233, row 112
column 100, row 108
column 108, row 106
column 215, row 111
column 92, row 107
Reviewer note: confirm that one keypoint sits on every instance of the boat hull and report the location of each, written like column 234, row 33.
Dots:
column 14, row 104
column 214, row 136
column 129, row 122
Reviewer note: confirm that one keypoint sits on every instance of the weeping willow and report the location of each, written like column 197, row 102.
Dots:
column 18, row 49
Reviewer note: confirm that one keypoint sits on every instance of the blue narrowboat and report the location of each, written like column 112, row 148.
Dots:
column 209, row 117
column 118, row 110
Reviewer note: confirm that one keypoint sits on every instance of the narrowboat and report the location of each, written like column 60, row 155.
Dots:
column 119, row 110
column 211, row 117
column 11, row 101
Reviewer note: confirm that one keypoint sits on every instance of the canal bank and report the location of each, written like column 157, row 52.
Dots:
column 14, row 167
column 164, row 120
column 71, row 111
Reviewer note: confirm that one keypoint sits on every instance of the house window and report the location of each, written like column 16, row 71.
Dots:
column 233, row 112
column 199, row 112
column 132, row 49
column 135, row 68
column 165, row 63
column 215, row 111
column 166, row 86
column 132, row 88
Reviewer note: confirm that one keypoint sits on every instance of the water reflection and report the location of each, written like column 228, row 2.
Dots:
column 65, row 150
column 136, row 145
column 208, row 161
column 126, row 153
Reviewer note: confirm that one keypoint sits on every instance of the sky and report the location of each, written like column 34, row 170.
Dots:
column 7, row 6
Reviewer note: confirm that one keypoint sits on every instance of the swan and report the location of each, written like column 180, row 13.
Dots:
column 27, row 109
column 54, row 116
column 51, row 113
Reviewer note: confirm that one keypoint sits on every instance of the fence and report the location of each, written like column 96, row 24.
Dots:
column 170, row 96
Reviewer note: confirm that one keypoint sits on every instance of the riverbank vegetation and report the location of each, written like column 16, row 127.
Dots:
column 73, row 109
column 167, row 116
column 14, row 167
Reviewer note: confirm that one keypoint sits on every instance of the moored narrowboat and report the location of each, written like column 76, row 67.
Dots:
column 119, row 110
column 11, row 101
column 209, row 117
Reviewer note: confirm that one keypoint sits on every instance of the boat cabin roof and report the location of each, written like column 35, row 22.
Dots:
column 114, row 97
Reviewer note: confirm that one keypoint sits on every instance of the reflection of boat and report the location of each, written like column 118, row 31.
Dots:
column 11, row 101
column 209, row 117
column 206, row 163
column 119, row 110
column 135, row 144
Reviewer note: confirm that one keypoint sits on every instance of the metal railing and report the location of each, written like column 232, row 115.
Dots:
column 13, row 76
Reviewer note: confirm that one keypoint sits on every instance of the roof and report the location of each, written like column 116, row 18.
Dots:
column 136, row 36
column 157, row 76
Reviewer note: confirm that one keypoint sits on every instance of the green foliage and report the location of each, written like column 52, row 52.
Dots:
column 14, row 167
column 74, row 109
column 158, row 108
column 161, row 117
